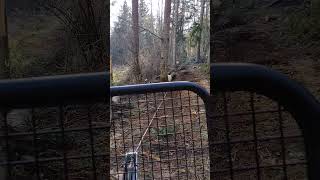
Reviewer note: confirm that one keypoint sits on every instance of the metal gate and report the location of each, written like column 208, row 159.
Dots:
column 164, row 124
column 257, row 124
column 277, row 123
column 55, row 128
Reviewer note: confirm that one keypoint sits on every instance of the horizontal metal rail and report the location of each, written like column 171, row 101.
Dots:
column 52, row 90
column 293, row 97
column 168, row 109
column 63, row 93
column 94, row 87
column 160, row 87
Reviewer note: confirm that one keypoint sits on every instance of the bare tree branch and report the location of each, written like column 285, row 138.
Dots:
column 144, row 29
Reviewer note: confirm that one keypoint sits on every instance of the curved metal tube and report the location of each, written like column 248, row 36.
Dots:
column 154, row 88
column 160, row 87
column 293, row 97
column 53, row 90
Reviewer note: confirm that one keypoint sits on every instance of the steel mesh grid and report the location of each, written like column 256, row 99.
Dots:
column 175, row 146
column 62, row 142
column 255, row 138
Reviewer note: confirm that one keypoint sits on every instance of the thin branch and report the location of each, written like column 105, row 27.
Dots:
column 144, row 29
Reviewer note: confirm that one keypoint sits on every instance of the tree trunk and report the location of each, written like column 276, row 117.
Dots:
column 315, row 8
column 4, row 49
column 180, row 40
column 160, row 20
column 200, row 34
column 110, row 70
column 206, row 48
column 170, row 53
column 152, row 28
column 165, row 42
column 174, row 39
column 135, row 43
column 4, row 74
column 171, row 37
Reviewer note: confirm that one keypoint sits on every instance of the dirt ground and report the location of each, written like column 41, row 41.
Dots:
column 175, row 145
column 257, row 146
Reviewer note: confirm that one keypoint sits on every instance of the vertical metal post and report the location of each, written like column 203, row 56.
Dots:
column 4, row 48
column 3, row 148
column 4, row 55
column 131, row 166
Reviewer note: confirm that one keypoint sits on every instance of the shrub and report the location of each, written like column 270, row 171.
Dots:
column 303, row 28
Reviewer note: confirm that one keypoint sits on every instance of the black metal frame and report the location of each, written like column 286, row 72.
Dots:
column 160, row 87
column 150, row 91
column 90, row 88
column 255, row 79
column 48, row 92
column 292, row 96
column 52, row 90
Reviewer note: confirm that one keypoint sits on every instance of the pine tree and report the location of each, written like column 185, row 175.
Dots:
column 200, row 33
column 135, row 40
column 165, row 41
column 120, row 35
column 144, row 21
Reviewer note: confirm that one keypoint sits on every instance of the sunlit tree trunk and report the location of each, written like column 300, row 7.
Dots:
column 180, row 40
column 165, row 42
column 174, row 39
column 4, row 49
column 152, row 28
column 200, row 34
column 315, row 8
column 135, row 42
column 4, row 74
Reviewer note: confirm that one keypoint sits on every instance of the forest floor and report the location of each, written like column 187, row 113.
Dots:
column 195, row 73
column 175, row 146
column 35, row 43
column 266, row 41
column 198, row 73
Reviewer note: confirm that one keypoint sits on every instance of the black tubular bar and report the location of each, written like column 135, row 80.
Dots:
column 51, row 90
column 293, row 97
column 65, row 93
column 160, row 87
column 163, row 100
column 94, row 87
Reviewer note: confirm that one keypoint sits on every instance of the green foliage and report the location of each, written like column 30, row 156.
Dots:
column 205, row 68
column 18, row 61
column 195, row 34
column 145, row 21
column 114, row 83
column 143, row 11
column 119, row 39
column 119, row 76
column 23, row 64
column 163, row 131
column 303, row 28
column 34, row 50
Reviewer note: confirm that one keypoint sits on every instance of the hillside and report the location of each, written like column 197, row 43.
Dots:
column 277, row 34
column 35, row 43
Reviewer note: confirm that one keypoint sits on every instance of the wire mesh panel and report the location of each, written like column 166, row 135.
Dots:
column 54, row 128
column 255, row 138
column 260, row 138
column 167, row 130
column 64, row 142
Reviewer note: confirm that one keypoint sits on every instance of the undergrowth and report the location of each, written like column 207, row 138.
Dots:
column 205, row 68
column 303, row 28
column 18, row 61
